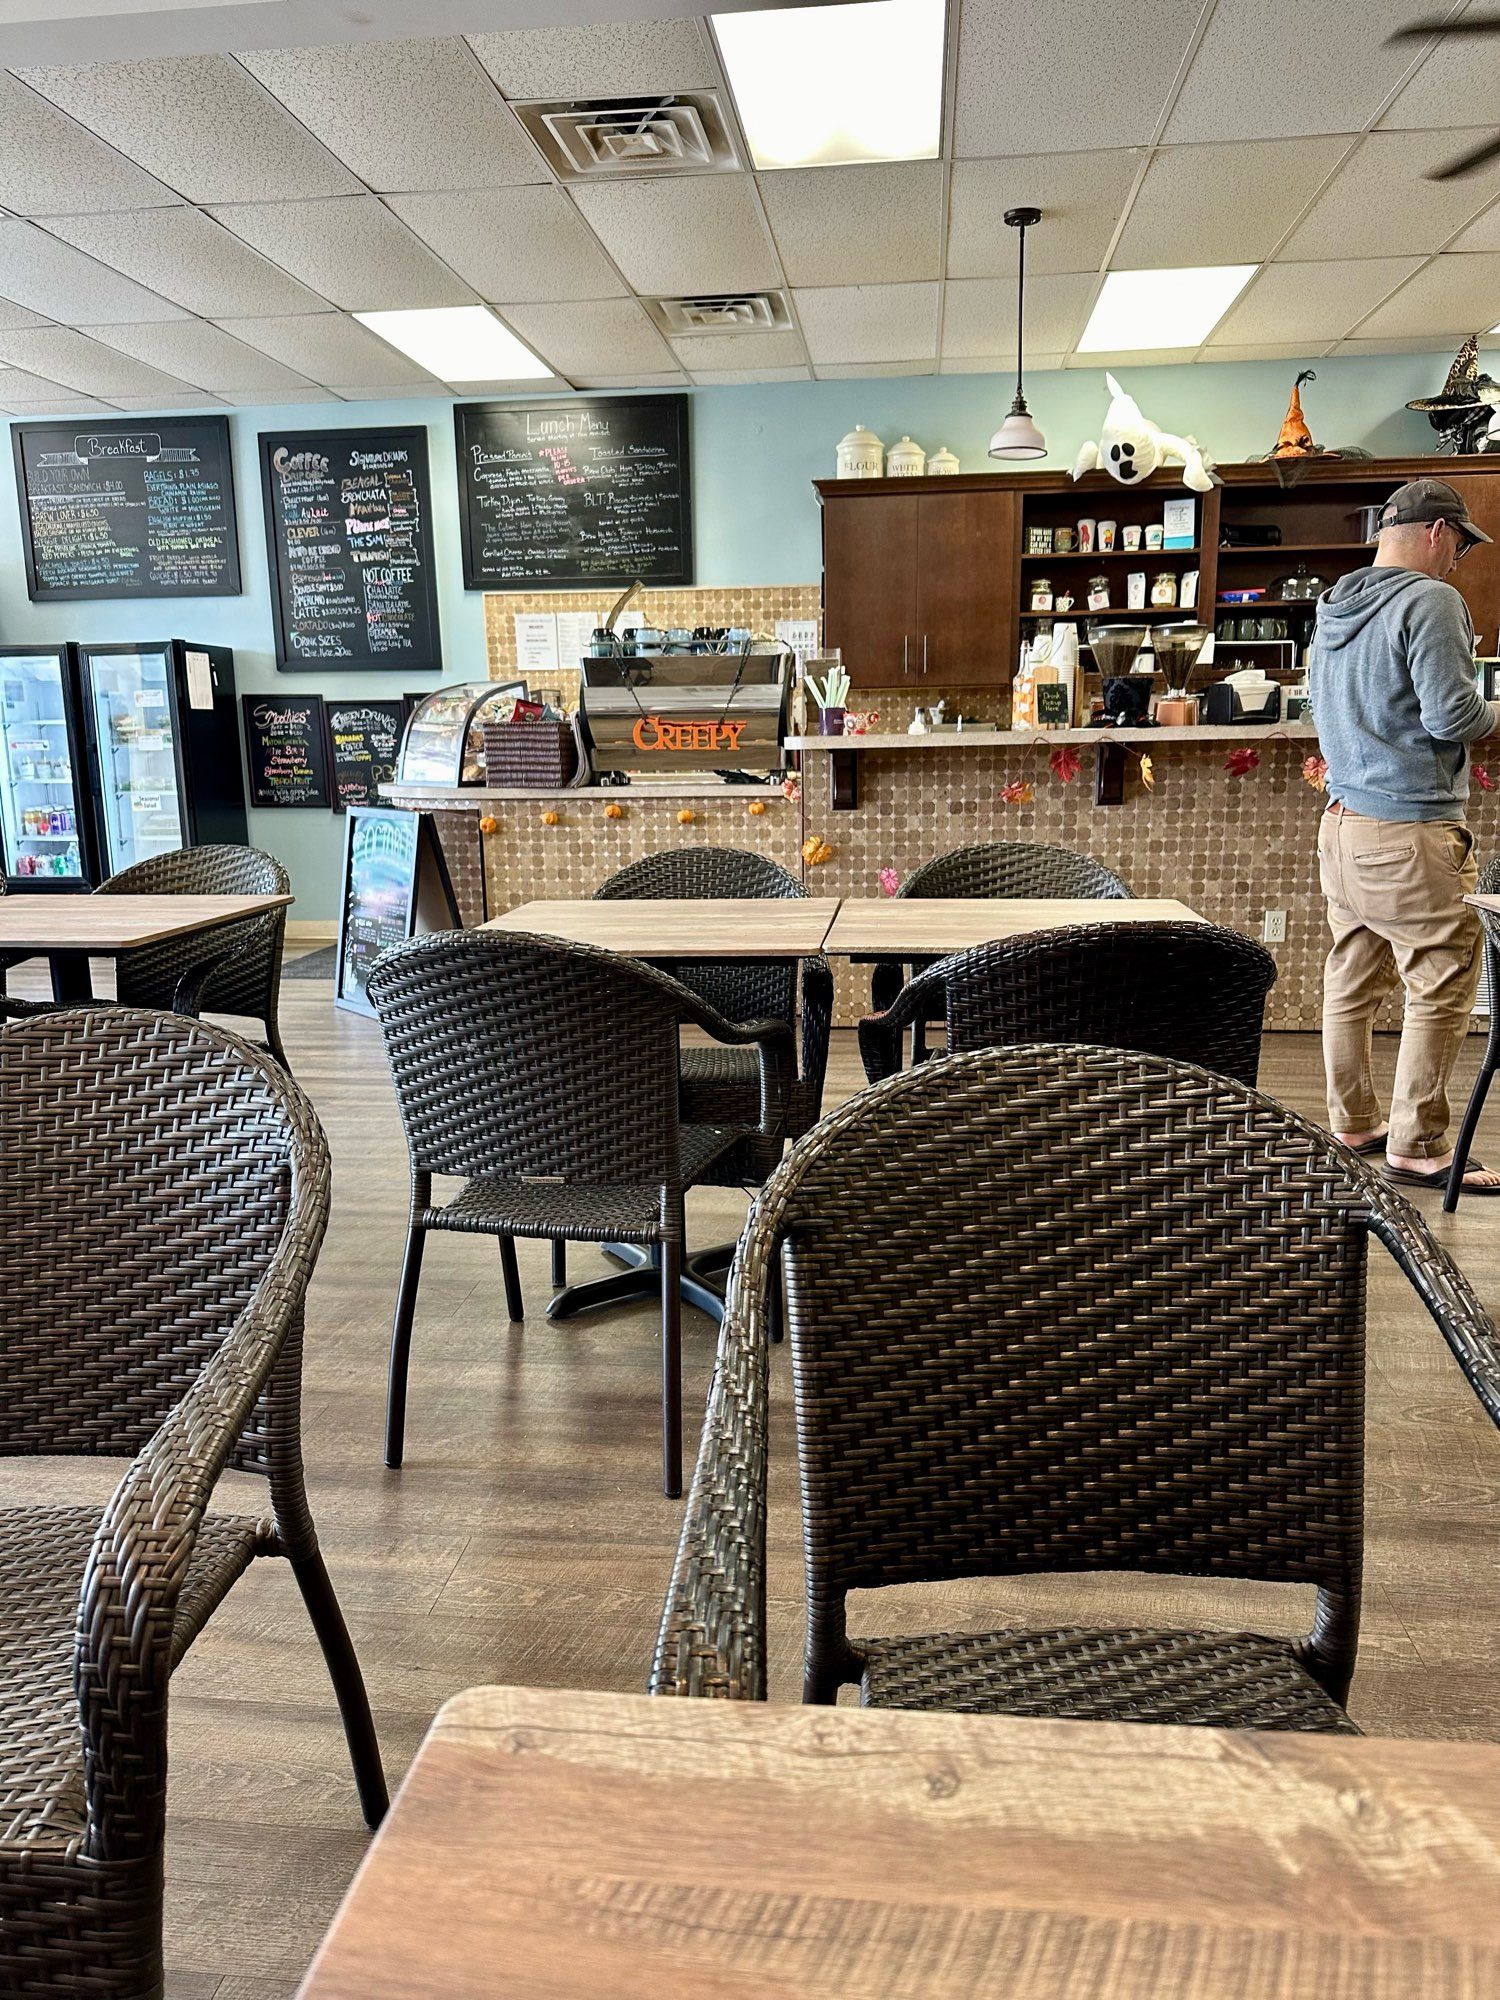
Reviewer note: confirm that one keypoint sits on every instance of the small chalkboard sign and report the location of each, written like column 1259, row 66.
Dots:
column 595, row 491
column 286, row 749
column 396, row 886
column 141, row 508
column 364, row 742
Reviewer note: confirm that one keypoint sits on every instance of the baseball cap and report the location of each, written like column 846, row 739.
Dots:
column 1429, row 500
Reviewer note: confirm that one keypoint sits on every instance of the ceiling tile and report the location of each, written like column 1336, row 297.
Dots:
column 13, row 316
column 352, row 250
column 869, row 322
column 1441, row 352
column 773, row 349
column 1273, row 351
column 1381, row 205
column 1158, row 357
column 1066, row 79
column 605, row 59
column 418, row 113
column 513, row 244
column 1451, row 296
column 249, row 399
column 851, row 371
column 63, row 404
column 672, row 379
column 979, row 314
column 185, row 256
column 857, row 225
column 72, row 358
column 202, row 354
column 1080, row 196
column 200, row 124
column 53, row 278
column 1279, row 69
column 1454, row 86
column 612, row 336
column 48, row 164
column 330, row 348
column 1483, row 233
column 181, row 399
column 700, row 234
column 711, row 378
column 997, row 364
column 20, row 385
column 1311, row 303
column 1222, row 204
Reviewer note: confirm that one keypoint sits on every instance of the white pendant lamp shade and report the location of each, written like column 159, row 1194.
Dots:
column 1018, row 436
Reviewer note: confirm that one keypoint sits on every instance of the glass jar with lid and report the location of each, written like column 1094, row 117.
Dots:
column 1164, row 588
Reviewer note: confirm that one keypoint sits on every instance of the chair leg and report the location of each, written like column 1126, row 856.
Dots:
column 406, row 1302
column 671, row 1369
column 776, row 1304
column 274, row 1043
column 348, row 1684
column 515, row 1305
column 559, row 1264
column 1470, row 1126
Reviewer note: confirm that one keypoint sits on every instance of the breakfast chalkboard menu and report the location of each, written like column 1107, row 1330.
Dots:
column 127, row 509
column 285, row 749
column 364, row 741
column 575, row 493
column 349, row 540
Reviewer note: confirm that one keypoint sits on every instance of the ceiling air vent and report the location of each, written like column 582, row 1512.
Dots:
column 607, row 138
column 725, row 312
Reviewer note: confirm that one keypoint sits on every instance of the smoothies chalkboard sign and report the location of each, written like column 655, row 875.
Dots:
column 395, row 885
column 349, row 541
column 285, row 749
column 127, row 509
column 575, row 493
column 364, row 740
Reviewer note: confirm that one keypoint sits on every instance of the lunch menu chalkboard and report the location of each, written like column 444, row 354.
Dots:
column 286, row 749
column 575, row 493
column 349, row 542
column 127, row 509
column 364, row 741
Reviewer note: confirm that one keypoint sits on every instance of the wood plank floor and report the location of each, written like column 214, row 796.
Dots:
column 526, row 1539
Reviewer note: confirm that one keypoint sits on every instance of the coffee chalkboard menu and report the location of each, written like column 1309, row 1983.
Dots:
column 364, row 741
column 575, row 493
column 348, row 536
column 127, row 509
column 285, row 749
column 395, row 885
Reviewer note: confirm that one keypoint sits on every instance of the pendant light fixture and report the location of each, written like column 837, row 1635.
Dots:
column 1018, row 436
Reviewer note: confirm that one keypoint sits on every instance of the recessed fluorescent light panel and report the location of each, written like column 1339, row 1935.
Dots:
column 1145, row 309
column 458, row 344
column 828, row 86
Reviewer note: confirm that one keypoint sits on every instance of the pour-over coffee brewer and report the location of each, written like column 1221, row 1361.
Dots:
column 1177, row 648
column 1127, row 695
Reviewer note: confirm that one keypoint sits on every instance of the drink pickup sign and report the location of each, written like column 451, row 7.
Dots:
column 364, row 741
column 396, row 886
column 286, row 749
column 575, row 493
column 127, row 509
column 349, row 541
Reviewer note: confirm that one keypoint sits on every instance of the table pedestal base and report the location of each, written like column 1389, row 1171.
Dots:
column 641, row 1279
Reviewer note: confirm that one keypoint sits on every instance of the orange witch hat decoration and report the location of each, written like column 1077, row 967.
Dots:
column 1295, row 440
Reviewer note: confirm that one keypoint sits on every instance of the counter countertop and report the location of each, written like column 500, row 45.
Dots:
column 995, row 739
column 444, row 797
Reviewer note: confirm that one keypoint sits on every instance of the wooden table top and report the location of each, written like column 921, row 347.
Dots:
column 664, row 927
column 1485, row 903
column 916, row 926
column 109, row 924
column 563, row 1846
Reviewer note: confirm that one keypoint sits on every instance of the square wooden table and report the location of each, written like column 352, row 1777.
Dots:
column 664, row 927
column 69, row 930
column 567, row 1846
column 901, row 927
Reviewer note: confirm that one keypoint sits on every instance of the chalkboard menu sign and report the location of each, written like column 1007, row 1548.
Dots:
column 285, row 749
column 134, row 509
column 349, row 541
column 364, row 740
column 575, row 493
column 395, row 885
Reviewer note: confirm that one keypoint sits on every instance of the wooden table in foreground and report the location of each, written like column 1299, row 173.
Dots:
column 902, row 927
column 666, row 927
column 558, row 1846
column 69, row 930
column 1491, row 903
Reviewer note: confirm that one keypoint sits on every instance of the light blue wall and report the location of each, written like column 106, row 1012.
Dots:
column 755, row 452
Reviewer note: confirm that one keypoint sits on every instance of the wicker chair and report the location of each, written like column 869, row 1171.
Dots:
column 1488, row 885
column 165, row 1194
column 492, row 1039
column 233, row 970
column 1187, row 990
column 1148, row 1357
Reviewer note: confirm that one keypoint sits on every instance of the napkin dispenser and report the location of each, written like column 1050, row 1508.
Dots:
column 1249, row 696
column 671, row 713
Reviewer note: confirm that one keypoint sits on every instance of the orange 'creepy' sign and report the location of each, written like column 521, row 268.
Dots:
column 651, row 733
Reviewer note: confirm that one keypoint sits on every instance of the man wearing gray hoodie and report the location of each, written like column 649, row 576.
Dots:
column 1391, row 671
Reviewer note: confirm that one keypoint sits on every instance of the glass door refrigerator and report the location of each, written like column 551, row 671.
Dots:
column 46, row 827
column 165, row 748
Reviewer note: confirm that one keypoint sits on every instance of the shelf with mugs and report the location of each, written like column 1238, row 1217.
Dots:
column 1078, row 614
column 1136, row 556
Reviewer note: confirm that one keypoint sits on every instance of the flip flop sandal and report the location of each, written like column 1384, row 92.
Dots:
column 1370, row 1147
column 1409, row 1177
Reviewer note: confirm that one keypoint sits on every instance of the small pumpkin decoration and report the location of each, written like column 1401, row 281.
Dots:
column 613, row 811
column 489, row 824
column 686, row 816
column 815, row 850
column 757, row 808
column 551, row 819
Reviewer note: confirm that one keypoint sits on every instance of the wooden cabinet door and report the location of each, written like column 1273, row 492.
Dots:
column 1478, row 575
column 968, row 582
column 870, row 588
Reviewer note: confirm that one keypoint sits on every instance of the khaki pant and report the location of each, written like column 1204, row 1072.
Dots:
column 1395, row 906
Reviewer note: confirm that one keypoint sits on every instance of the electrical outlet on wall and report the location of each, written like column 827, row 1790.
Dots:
column 1273, row 927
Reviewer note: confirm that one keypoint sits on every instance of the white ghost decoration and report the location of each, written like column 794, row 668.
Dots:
column 1132, row 447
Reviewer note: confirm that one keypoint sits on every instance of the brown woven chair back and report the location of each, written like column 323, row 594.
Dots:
column 1013, row 868
column 757, row 991
column 147, row 1172
column 524, row 1056
column 248, row 986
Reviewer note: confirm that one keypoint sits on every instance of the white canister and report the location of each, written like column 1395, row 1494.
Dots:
column 942, row 464
column 861, row 455
column 905, row 460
